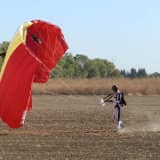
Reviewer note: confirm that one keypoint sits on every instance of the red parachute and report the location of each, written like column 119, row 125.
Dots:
column 34, row 51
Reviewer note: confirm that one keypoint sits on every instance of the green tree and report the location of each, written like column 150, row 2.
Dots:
column 93, row 71
column 57, row 72
column 133, row 73
column 4, row 46
column 80, row 66
column 102, row 68
column 82, row 63
column 3, row 49
column 123, row 73
column 141, row 73
column 155, row 74
column 65, row 68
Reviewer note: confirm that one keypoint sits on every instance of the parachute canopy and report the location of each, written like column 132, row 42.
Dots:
column 32, row 54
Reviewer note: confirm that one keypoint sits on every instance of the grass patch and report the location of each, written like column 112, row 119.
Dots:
column 146, row 86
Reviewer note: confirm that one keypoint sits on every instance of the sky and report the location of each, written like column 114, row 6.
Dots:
column 125, row 32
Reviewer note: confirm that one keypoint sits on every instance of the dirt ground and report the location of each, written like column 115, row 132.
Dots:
column 78, row 128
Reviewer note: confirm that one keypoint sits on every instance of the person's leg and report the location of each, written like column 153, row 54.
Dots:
column 117, row 117
column 120, row 123
column 117, row 114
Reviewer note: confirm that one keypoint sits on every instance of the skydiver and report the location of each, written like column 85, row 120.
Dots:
column 117, row 98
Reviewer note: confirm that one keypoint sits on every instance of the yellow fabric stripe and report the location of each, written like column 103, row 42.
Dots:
column 19, row 38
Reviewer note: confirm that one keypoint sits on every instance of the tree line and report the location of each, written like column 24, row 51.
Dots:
column 80, row 66
column 139, row 73
column 133, row 73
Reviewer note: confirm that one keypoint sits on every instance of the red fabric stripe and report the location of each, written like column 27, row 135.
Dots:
column 15, row 86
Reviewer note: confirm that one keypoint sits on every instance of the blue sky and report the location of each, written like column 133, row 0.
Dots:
column 126, row 32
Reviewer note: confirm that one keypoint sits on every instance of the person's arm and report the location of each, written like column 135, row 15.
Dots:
column 108, row 98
